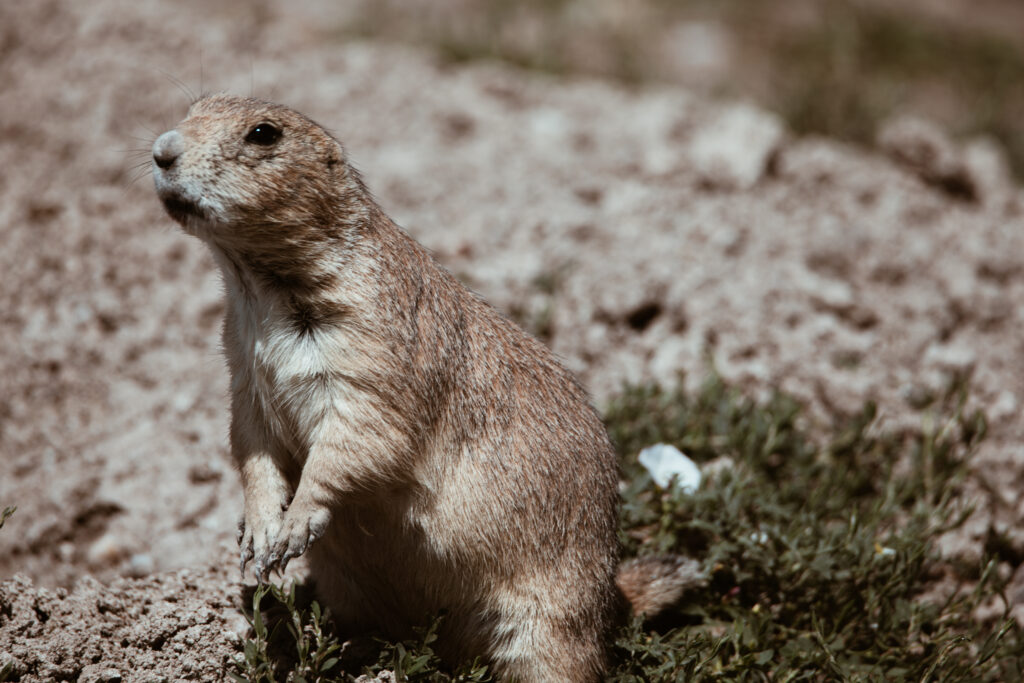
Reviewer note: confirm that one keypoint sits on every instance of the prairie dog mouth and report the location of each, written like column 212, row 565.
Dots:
column 181, row 208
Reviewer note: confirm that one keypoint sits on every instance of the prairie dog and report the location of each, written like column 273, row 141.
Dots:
column 421, row 449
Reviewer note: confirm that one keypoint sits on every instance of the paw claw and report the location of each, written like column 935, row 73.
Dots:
column 247, row 555
column 272, row 543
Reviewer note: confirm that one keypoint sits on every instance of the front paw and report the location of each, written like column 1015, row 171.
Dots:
column 302, row 525
column 256, row 535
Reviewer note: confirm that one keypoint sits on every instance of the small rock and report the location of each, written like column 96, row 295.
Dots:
column 66, row 551
column 1005, row 406
column 920, row 144
column 925, row 149
column 141, row 564
column 204, row 473
column 96, row 673
column 666, row 462
column 106, row 550
column 237, row 626
column 985, row 165
column 957, row 360
column 381, row 677
column 733, row 150
column 832, row 295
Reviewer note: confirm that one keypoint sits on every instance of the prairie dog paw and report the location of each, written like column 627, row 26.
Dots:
column 300, row 528
column 256, row 534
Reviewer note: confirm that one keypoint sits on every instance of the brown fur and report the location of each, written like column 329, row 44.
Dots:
column 421, row 449
column 650, row 584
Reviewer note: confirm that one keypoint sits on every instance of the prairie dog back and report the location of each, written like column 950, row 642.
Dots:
column 423, row 451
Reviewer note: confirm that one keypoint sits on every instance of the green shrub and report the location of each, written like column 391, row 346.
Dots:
column 820, row 550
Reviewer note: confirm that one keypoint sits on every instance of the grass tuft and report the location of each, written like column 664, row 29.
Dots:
column 820, row 548
column 296, row 643
column 7, row 512
column 303, row 650
column 415, row 660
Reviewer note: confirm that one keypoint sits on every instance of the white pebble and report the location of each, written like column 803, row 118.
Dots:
column 733, row 150
column 664, row 462
column 142, row 564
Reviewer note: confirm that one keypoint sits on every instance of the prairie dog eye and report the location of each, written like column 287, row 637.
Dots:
column 264, row 134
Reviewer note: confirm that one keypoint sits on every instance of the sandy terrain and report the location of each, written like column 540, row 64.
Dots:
column 637, row 231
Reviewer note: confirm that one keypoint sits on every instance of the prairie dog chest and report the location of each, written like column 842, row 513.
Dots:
column 294, row 376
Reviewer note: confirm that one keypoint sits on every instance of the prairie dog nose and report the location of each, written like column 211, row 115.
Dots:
column 167, row 148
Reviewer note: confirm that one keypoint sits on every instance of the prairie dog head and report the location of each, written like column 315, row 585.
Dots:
column 239, row 168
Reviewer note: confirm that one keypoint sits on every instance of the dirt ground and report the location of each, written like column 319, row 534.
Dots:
column 640, row 232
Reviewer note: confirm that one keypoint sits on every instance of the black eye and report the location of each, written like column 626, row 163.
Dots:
column 264, row 134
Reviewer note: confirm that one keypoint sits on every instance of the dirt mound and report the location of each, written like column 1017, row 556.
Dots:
column 178, row 625
column 638, row 232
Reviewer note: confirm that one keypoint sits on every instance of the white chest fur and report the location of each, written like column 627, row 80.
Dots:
column 292, row 376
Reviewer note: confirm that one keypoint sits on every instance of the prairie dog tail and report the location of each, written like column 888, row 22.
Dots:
column 652, row 583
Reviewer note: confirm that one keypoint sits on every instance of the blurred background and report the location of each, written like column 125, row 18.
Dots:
column 834, row 67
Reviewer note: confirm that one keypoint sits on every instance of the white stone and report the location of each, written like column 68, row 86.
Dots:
column 833, row 295
column 1005, row 406
column 66, row 551
column 733, row 150
column 664, row 462
column 985, row 164
column 142, row 564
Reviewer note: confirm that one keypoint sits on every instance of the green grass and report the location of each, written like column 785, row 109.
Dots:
column 299, row 637
column 292, row 641
column 819, row 545
column 820, row 551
